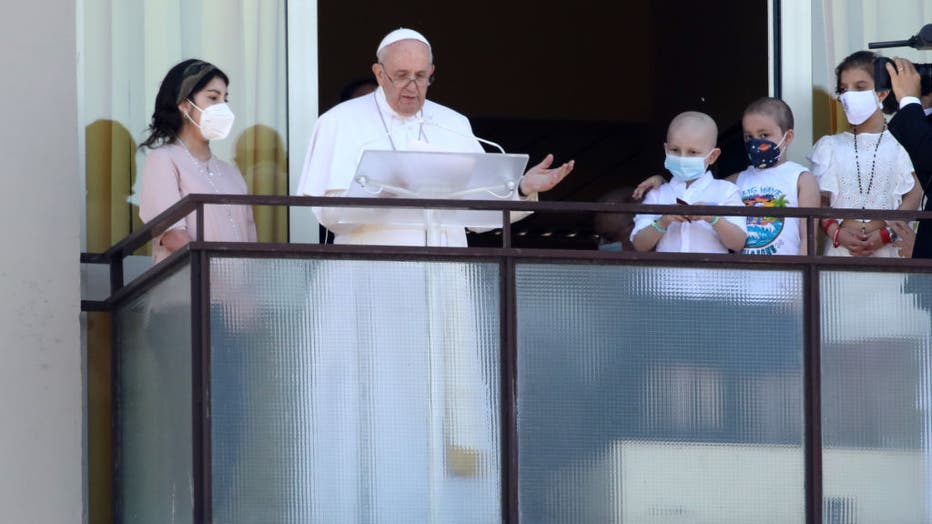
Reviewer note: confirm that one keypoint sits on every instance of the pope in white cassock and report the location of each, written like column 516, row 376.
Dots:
column 396, row 117
column 403, row 394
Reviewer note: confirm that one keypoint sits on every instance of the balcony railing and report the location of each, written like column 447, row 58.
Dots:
column 625, row 387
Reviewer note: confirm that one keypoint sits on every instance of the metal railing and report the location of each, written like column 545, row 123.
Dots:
column 198, row 253
column 195, row 203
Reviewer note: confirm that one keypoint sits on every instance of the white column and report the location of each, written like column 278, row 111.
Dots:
column 302, row 106
column 795, row 41
column 41, row 392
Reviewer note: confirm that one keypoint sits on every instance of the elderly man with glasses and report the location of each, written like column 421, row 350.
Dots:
column 396, row 117
column 403, row 406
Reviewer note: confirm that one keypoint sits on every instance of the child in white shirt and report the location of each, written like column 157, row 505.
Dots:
column 690, row 150
column 770, row 180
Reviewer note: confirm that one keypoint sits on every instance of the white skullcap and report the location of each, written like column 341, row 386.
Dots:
column 399, row 34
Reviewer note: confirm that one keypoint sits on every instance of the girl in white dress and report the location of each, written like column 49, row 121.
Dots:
column 865, row 168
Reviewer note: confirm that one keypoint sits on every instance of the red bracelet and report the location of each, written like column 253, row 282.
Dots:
column 835, row 237
column 885, row 235
column 826, row 224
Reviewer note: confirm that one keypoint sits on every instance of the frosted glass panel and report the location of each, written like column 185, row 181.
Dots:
column 355, row 391
column 876, row 396
column 659, row 395
column 154, row 474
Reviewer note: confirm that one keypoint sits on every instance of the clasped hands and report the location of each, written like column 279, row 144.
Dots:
column 859, row 244
column 656, row 181
column 665, row 220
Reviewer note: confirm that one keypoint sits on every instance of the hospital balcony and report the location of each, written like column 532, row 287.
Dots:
column 330, row 383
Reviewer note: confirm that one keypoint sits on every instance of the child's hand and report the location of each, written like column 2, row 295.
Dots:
column 696, row 218
column 855, row 243
column 652, row 182
column 873, row 241
column 666, row 220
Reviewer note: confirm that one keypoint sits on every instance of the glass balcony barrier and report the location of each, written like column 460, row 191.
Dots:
column 322, row 383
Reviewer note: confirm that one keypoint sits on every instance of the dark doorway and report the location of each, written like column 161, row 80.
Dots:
column 589, row 80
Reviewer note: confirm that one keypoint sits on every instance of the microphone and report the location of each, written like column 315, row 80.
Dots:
column 363, row 181
column 509, row 186
column 462, row 134
column 921, row 41
column 388, row 134
column 382, row 136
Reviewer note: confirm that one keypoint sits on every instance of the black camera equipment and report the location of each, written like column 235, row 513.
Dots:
column 922, row 41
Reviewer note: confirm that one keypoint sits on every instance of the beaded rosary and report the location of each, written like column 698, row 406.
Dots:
column 857, row 163
column 204, row 168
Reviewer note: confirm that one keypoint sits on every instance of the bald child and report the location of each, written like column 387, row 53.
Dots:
column 690, row 150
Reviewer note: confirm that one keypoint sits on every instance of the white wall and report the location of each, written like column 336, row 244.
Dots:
column 796, row 72
column 302, row 107
column 729, row 483
column 40, row 366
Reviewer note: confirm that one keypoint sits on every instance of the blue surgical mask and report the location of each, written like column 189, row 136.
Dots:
column 686, row 168
column 763, row 153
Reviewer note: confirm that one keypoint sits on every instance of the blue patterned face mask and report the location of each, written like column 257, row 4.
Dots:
column 763, row 153
column 686, row 168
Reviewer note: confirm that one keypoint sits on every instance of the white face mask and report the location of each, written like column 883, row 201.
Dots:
column 216, row 121
column 859, row 105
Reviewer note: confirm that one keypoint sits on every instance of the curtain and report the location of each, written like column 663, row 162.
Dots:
column 111, row 158
column 841, row 27
column 129, row 46
column 126, row 48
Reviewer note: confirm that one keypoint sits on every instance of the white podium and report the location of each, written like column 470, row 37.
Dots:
column 434, row 175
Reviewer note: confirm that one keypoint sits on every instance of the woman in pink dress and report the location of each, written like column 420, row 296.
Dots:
column 191, row 110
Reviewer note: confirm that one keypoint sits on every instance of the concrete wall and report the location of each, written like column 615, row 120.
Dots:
column 40, row 360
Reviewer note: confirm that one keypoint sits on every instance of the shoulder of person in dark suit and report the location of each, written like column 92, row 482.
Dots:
column 910, row 126
column 913, row 130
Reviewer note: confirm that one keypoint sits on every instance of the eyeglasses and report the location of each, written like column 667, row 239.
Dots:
column 401, row 80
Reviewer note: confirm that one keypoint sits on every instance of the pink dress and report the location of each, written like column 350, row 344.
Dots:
column 170, row 173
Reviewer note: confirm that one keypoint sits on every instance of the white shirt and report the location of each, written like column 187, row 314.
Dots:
column 368, row 122
column 906, row 100
column 884, row 177
column 692, row 237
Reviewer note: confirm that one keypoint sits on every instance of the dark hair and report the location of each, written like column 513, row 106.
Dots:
column 863, row 60
column 775, row 108
column 349, row 91
column 166, row 119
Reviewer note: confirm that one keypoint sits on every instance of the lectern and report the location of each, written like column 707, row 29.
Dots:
column 434, row 175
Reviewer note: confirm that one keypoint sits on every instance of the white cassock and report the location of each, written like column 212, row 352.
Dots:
column 403, row 382
column 368, row 122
